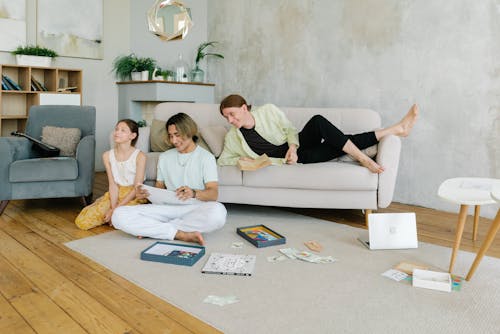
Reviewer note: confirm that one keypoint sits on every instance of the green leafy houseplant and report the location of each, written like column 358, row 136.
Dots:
column 123, row 66
column 197, row 73
column 34, row 50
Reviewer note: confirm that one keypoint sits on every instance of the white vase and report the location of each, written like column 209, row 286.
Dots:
column 33, row 60
column 136, row 76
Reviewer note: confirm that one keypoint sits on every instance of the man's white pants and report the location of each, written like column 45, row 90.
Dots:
column 163, row 221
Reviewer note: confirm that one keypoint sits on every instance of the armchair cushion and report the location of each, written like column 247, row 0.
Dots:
column 43, row 169
column 65, row 139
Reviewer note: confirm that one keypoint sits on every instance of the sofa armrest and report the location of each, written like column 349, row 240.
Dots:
column 85, row 155
column 389, row 149
column 11, row 149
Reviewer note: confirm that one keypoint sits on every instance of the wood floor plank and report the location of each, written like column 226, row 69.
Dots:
column 11, row 321
column 33, row 305
column 115, row 298
column 85, row 310
column 194, row 324
column 44, row 315
column 50, row 233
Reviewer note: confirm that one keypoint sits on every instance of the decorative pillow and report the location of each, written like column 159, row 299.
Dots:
column 65, row 139
column 369, row 151
column 214, row 136
column 158, row 138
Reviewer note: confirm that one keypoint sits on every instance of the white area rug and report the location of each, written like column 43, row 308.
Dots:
column 349, row 296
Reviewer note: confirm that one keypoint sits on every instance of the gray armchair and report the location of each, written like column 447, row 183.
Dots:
column 24, row 176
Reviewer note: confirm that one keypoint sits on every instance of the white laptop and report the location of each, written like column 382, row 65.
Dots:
column 391, row 231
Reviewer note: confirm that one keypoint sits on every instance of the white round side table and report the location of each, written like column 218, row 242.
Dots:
column 495, row 226
column 467, row 191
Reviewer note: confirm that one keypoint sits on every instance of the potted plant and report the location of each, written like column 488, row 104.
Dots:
column 197, row 74
column 34, row 55
column 123, row 66
column 145, row 66
column 133, row 67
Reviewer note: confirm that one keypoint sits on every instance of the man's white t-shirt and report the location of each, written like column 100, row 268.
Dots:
column 192, row 169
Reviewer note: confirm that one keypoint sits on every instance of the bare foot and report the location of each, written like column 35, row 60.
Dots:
column 406, row 124
column 371, row 165
column 190, row 237
column 139, row 237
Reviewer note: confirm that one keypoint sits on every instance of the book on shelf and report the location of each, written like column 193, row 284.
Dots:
column 4, row 85
column 38, row 85
column 11, row 83
column 67, row 89
column 261, row 162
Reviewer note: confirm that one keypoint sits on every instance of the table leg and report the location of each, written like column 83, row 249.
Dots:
column 460, row 230
column 367, row 212
column 477, row 209
column 495, row 226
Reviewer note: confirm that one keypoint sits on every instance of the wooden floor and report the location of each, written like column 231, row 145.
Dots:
column 47, row 288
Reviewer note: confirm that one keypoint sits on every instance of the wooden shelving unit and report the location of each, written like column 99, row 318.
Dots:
column 15, row 104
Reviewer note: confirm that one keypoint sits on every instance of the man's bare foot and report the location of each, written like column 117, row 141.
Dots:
column 406, row 124
column 190, row 237
column 371, row 165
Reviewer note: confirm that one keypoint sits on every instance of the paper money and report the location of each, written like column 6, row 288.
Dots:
column 293, row 254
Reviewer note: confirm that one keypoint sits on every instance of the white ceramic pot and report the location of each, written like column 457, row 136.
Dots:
column 145, row 75
column 136, row 76
column 33, row 60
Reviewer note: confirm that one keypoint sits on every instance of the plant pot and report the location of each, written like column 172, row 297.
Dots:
column 144, row 75
column 28, row 60
column 136, row 76
column 197, row 75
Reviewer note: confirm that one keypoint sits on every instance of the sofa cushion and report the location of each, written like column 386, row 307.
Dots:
column 158, row 136
column 318, row 176
column 229, row 176
column 214, row 136
column 369, row 151
column 65, row 139
column 43, row 169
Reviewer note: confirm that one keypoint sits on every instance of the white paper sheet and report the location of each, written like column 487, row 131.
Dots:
column 163, row 197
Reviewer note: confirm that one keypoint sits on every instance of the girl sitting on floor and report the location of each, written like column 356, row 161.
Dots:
column 125, row 167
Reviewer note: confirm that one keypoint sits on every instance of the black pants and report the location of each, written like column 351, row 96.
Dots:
column 322, row 141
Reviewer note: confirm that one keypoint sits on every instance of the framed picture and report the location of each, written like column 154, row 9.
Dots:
column 167, row 252
column 260, row 236
column 71, row 28
column 12, row 24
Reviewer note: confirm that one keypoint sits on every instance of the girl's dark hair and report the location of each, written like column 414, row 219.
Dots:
column 233, row 100
column 185, row 125
column 133, row 126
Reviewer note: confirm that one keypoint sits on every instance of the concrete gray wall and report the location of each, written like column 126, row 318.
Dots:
column 380, row 54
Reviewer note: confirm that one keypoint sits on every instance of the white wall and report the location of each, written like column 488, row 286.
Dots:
column 99, row 87
column 380, row 54
column 125, row 31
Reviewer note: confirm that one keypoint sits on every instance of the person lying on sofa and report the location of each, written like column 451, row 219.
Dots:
column 267, row 130
column 191, row 172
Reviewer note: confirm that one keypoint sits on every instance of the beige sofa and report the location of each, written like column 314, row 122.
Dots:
column 337, row 184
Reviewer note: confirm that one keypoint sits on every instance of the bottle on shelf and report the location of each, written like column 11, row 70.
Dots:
column 181, row 70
